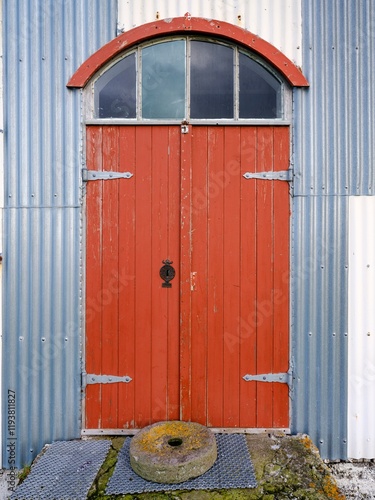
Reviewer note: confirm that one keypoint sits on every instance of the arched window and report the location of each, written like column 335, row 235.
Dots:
column 188, row 78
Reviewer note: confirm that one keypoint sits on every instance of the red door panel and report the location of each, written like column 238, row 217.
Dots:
column 188, row 347
column 132, row 325
column 237, row 314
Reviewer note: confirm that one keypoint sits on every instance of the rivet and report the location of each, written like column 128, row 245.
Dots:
column 368, row 334
column 43, row 339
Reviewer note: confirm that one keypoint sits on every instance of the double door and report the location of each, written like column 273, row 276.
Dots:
column 206, row 338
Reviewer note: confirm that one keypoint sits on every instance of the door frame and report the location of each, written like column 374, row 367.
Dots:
column 185, row 282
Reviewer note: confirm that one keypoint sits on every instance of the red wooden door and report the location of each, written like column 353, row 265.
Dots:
column 154, row 353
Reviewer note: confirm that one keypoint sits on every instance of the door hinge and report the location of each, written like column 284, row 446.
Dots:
column 281, row 175
column 94, row 175
column 281, row 378
column 106, row 379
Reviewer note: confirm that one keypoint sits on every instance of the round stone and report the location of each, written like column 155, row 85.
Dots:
column 172, row 452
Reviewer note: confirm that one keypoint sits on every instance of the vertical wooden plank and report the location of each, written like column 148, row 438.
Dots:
column 126, row 280
column 185, row 273
column 173, row 312
column 143, row 266
column 93, row 278
column 199, row 263
column 160, row 252
column 110, row 209
column 230, row 185
column 265, row 276
column 281, row 278
column 215, row 342
column 248, row 319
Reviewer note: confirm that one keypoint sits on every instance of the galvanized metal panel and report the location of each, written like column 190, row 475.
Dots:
column 277, row 21
column 361, row 386
column 335, row 119
column 319, row 321
column 44, row 43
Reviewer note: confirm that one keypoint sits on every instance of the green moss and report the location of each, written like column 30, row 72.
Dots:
column 105, row 473
column 23, row 473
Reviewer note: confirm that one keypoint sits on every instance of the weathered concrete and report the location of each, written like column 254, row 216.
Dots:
column 172, row 452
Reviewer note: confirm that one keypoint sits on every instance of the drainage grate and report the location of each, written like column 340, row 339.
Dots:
column 232, row 469
column 65, row 471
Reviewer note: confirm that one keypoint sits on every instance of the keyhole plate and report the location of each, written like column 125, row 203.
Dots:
column 167, row 273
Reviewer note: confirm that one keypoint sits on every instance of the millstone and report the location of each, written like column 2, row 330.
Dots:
column 172, row 452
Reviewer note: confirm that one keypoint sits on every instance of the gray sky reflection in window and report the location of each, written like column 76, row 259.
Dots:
column 116, row 89
column 212, row 86
column 163, row 80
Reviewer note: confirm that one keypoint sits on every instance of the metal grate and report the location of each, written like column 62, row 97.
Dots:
column 232, row 469
column 64, row 472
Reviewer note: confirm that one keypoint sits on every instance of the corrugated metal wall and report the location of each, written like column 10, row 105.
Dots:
column 336, row 156
column 333, row 157
column 361, row 335
column 277, row 21
column 319, row 321
column 44, row 43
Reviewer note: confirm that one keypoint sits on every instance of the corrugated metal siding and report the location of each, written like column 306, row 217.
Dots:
column 336, row 156
column 319, row 321
column 277, row 21
column 44, row 43
column 333, row 158
column 361, row 386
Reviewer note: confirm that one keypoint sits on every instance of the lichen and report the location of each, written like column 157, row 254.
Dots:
column 152, row 439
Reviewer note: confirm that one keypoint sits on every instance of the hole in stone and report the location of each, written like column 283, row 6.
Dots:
column 175, row 442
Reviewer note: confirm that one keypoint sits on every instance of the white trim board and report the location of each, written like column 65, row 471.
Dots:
column 361, row 334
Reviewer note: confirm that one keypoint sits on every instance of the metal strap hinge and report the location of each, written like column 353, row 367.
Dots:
column 281, row 175
column 282, row 378
column 94, row 175
column 106, row 379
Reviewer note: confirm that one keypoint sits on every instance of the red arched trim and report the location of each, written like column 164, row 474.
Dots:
column 188, row 25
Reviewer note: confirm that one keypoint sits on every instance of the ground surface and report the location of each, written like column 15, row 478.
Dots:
column 355, row 480
column 287, row 467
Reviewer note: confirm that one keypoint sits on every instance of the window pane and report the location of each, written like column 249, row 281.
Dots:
column 211, row 79
column 163, row 80
column 115, row 91
column 259, row 91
